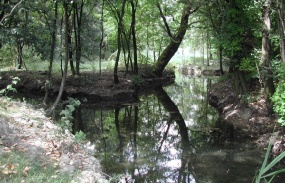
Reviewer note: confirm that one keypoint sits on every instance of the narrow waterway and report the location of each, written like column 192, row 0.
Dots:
column 171, row 135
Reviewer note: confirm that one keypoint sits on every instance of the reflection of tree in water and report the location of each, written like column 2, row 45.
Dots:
column 169, row 105
column 141, row 140
column 144, row 155
column 153, row 141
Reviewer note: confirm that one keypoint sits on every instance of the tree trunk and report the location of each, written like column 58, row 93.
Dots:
column 50, row 111
column 20, row 54
column 127, row 39
column 53, row 44
column 221, row 59
column 119, row 43
column 77, row 34
column 174, row 44
column 102, row 38
column 281, row 27
column 133, row 26
column 265, row 57
column 70, row 54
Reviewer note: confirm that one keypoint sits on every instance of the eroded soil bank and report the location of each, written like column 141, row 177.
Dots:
column 92, row 88
column 248, row 116
column 24, row 129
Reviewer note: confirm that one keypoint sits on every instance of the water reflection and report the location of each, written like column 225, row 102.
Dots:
column 171, row 135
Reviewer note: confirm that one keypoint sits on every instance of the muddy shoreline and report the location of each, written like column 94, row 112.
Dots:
column 250, row 118
column 88, row 87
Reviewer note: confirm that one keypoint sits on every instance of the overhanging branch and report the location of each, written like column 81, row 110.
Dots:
column 9, row 14
column 164, row 20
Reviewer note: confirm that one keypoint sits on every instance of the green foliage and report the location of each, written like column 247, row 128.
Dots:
column 66, row 114
column 10, row 87
column 225, row 77
column 278, row 99
column 80, row 136
column 278, row 69
column 263, row 172
column 144, row 59
column 7, row 55
column 116, row 178
column 138, row 80
column 249, row 66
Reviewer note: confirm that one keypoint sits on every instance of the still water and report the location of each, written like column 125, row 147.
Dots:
column 171, row 135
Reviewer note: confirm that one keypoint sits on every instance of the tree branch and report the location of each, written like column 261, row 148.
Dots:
column 164, row 20
column 9, row 14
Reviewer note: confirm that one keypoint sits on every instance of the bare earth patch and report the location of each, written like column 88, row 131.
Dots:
column 252, row 118
column 25, row 129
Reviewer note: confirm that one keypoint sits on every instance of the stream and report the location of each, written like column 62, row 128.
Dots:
column 170, row 135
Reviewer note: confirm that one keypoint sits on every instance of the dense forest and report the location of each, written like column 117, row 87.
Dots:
column 246, row 37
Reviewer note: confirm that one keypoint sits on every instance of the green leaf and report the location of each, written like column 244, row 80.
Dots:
column 273, row 162
column 273, row 173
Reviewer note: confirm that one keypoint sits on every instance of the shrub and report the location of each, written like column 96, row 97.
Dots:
column 10, row 87
column 66, row 114
column 278, row 99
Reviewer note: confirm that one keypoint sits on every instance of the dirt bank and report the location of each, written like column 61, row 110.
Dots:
column 89, row 87
column 248, row 115
column 24, row 129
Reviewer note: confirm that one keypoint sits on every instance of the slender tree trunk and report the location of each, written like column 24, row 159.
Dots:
column 119, row 42
column 174, row 44
column 133, row 26
column 102, row 38
column 221, row 59
column 53, row 44
column 265, row 57
column 69, row 42
column 127, row 39
column 20, row 54
column 50, row 111
column 281, row 27
column 77, row 34
column 208, row 47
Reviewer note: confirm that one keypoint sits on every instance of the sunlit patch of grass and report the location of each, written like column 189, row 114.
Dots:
column 16, row 166
column 89, row 66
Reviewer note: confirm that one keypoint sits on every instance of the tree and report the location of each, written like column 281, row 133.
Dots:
column 133, row 30
column 281, row 27
column 67, row 51
column 214, row 11
column 52, row 52
column 4, row 9
column 266, row 53
column 119, row 15
column 77, row 23
column 175, row 39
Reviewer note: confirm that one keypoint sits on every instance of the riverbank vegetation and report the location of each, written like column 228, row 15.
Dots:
column 244, row 39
